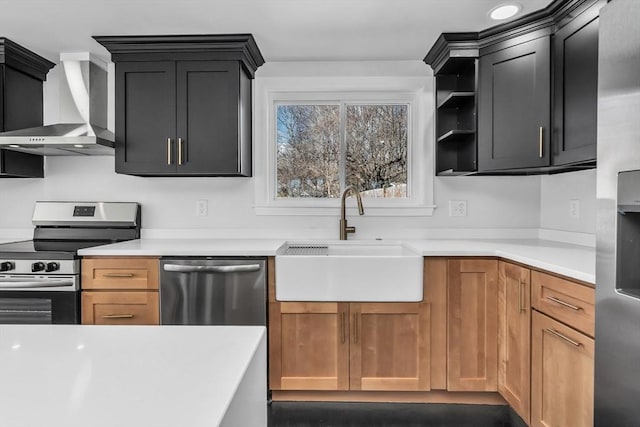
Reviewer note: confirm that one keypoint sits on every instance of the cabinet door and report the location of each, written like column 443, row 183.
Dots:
column 389, row 346
column 208, row 129
column 514, row 334
column 309, row 346
column 561, row 375
column 472, row 325
column 576, row 89
column 514, row 107
column 145, row 118
column 120, row 308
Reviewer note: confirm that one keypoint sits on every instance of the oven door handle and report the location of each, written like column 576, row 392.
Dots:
column 211, row 268
column 33, row 284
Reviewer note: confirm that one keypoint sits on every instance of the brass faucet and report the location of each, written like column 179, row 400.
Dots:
column 344, row 228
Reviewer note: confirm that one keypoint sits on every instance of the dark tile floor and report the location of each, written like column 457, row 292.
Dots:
column 325, row 414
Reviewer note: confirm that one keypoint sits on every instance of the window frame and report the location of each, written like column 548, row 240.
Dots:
column 411, row 91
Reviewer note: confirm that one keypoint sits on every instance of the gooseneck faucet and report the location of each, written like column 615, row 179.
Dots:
column 344, row 228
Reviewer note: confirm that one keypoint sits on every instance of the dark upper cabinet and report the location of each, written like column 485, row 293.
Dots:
column 514, row 107
column 214, row 118
column 536, row 93
column 183, row 104
column 454, row 59
column 21, row 75
column 145, row 118
column 575, row 91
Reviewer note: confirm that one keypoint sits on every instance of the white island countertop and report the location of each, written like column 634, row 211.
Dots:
column 143, row 376
column 574, row 261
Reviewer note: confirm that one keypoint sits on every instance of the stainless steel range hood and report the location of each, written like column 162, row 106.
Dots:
column 86, row 83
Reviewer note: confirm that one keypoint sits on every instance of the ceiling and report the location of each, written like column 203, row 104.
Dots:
column 285, row 30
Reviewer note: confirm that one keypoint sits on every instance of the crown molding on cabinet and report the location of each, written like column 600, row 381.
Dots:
column 224, row 47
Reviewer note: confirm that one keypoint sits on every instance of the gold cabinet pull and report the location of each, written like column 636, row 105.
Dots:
column 355, row 328
column 563, row 337
column 118, row 316
column 118, row 275
column 168, row 151
column 521, row 298
column 342, row 332
column 541, row 140
column 563, row 303
column 180, row 151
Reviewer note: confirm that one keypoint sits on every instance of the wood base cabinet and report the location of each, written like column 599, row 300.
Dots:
column 309, row 345
column 514, row 336
column 472, row 315
column 562, row 375
column 120, row 291
column 389, row 346
column 349, row 346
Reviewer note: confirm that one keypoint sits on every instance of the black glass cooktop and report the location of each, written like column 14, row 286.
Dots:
column 50, row 249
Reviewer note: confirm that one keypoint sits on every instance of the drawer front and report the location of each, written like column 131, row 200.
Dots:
column 562, row 364
column 120, row 308
column 566, row 301
column 120, row 273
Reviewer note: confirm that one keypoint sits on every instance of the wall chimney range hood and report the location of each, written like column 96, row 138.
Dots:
column 85, row 131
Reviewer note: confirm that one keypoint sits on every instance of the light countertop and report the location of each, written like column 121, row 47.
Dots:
column 187, row 247
column 147, row 376
column 570, row 260
column 577, row 262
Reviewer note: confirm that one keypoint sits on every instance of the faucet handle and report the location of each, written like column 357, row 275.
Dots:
column 345, row 229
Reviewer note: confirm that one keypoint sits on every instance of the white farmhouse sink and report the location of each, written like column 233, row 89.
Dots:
column 374, row 271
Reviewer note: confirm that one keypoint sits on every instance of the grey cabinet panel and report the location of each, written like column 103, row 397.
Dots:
column 23, row 95
column 208, row 118
column 576, row 89
column 514, row 107
column 145, row 117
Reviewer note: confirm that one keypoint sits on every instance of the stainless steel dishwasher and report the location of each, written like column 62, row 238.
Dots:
column 213, row 291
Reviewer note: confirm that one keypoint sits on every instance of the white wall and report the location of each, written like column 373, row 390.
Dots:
column 557, row 192
column 169, row 203
column 496, row 206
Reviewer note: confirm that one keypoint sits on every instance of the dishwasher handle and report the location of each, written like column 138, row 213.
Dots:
column 211, row 268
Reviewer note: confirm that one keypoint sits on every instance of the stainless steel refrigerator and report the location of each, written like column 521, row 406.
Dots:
column 617, row 359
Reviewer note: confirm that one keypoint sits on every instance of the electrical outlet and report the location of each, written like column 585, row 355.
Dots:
column 202, row 207
column 457, row 208
column 574, row 208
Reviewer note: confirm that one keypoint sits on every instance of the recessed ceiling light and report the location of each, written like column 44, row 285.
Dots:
column 504, row 11
column 14, row 146
column 78, row 145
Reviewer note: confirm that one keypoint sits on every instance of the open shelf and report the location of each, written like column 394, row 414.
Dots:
column 454, row 59
column 455, row 134
column 457, row 99
column 451, row 172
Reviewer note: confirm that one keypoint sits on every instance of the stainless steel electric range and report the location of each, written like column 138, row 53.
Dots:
column 40, row 278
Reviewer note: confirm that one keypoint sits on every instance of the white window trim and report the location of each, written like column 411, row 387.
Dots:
column 413, row 90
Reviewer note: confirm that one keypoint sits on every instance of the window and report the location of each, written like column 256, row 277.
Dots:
column 321, row 127
column 324, row 148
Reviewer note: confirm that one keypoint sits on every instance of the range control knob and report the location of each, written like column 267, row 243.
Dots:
column 52, row 266
column 7, row 266
column 37, row 266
